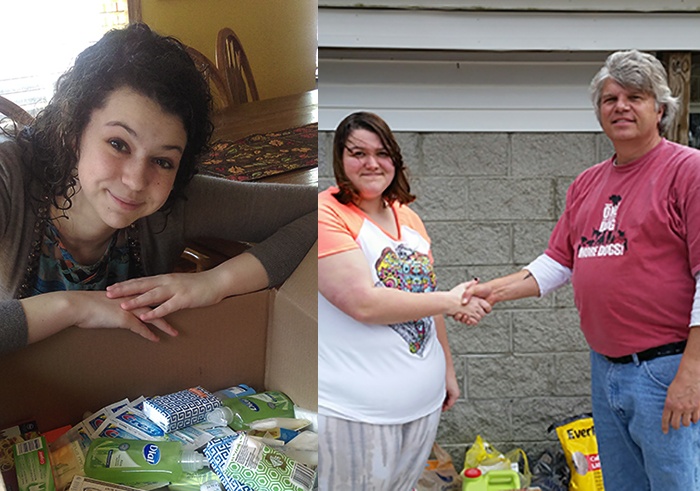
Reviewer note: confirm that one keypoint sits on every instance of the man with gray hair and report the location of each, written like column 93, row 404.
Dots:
column 629, row 241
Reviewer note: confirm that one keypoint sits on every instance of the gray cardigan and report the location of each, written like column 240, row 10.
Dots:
column 280, row 220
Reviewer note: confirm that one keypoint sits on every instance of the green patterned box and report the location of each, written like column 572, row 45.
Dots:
column 261, row 467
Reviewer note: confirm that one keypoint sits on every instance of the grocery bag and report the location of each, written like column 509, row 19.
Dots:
column 439, row 473
column 485, row 457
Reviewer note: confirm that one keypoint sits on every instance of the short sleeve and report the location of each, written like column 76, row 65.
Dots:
column 338, row 226
column 688, row 202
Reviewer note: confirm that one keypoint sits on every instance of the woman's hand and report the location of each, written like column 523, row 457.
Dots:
column 463, row 291
column 50, row 313
column 481, row 292
column 166, row 293
column 475, row 310
column 451, row 389
column 462, row 294
column 103, row 312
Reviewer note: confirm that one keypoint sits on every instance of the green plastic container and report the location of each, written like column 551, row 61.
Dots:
column 239, row 412
column 122, row 461
column 496, row 480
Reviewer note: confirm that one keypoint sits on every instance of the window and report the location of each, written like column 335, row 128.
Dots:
column 45, row 45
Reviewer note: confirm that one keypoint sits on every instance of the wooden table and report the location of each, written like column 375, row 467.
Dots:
column 238, row 122
column 268, row 115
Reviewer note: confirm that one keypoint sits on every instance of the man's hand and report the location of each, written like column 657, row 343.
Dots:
column 477, row 297
column 475, row 310
column 682, row 401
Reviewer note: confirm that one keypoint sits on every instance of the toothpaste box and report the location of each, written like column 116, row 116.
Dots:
column 8, row 438
column 180, row 409
column 33, row 465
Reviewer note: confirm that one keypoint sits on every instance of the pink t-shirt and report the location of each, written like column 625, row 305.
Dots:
column 631, row 235
column 381, row 374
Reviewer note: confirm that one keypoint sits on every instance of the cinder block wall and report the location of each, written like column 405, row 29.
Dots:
column 489, row 202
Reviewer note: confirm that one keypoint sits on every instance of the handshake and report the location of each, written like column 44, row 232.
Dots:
column 475, row 301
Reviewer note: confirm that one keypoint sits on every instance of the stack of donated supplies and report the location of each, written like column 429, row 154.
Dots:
column 234, row 439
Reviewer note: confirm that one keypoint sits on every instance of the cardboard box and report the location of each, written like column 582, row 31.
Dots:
column 266, row 339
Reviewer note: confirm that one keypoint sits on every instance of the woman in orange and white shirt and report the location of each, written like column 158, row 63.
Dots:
column 384, row 364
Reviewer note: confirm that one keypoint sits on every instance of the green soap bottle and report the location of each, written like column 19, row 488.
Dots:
column 239, row 412
column 122, row 461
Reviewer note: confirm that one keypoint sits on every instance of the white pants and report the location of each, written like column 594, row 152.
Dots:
column 356, row 456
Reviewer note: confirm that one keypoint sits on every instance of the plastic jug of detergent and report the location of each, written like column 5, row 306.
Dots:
column 495, row 480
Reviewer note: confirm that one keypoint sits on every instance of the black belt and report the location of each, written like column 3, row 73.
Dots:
column 651, row 353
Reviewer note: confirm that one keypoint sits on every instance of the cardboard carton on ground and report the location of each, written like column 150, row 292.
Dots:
column 266, row 339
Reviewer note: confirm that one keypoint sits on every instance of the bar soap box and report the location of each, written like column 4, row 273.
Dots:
column 180, row 409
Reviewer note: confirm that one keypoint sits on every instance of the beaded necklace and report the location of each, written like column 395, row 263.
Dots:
column 42, row 214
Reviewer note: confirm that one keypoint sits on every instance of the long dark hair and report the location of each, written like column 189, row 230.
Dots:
column 136, row 57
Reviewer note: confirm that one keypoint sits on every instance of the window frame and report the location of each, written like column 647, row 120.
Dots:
column 134, row 7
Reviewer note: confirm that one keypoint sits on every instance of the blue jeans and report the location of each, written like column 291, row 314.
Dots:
column 628, row 400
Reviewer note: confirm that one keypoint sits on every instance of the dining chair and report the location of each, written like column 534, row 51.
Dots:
column 219, row 88
column 233, row 63
column 15, row 112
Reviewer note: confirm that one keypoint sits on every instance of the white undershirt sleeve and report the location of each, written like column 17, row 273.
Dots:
column 695, row 312
column 550, row 275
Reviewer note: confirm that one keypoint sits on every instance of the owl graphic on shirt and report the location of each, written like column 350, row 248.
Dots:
column 408, row 270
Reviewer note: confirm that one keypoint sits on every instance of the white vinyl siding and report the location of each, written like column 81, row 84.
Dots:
column 507, row 31
column 461, row 94
column 530, row 5
column 467, row 70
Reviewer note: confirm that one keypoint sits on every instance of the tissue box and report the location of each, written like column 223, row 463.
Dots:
column 242, row 461
column 180, row 409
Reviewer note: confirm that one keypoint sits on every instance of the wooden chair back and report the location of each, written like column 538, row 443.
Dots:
column 232, row 61
column 15, row 112
column 219, row 88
